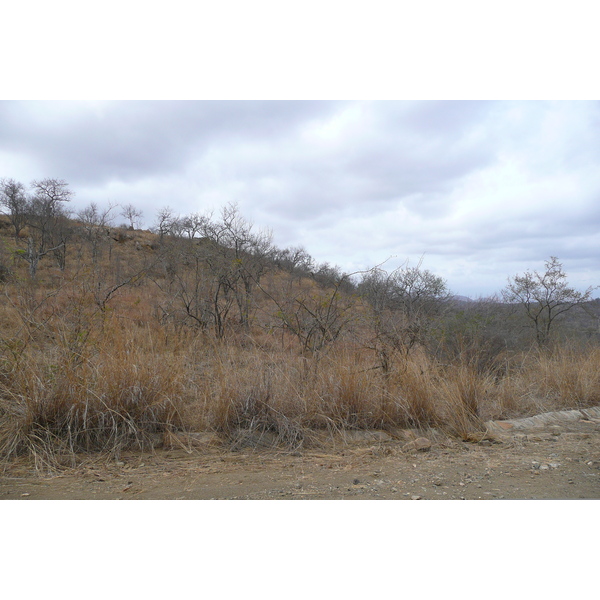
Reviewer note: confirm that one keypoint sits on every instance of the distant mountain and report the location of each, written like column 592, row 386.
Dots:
column 462, row 299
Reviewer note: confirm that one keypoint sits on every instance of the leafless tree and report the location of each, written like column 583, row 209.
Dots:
column 317, row 319
column 133, row 215
column 544, row 297
column 295, row 260
column 50, row 217
column 167, row 222
column 50, row 192
column 237, row 256
column 95, row 223
column 194, row 224
column 217, row 269
column 402, row 305
column 13, row 198
column 48, row 223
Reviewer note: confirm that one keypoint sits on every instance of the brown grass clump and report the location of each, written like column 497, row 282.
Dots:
column 416, row 393
column 568, row 377
column 464, row 394
column 52, row 407
column 248, row 389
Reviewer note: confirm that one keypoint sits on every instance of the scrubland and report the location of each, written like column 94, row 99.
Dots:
column 143, row 335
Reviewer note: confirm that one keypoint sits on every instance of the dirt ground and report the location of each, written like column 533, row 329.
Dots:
column 557, row 461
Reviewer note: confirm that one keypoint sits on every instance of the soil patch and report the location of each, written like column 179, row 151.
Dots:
column 544, row 458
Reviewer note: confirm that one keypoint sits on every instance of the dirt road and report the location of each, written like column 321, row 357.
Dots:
column 558, row 461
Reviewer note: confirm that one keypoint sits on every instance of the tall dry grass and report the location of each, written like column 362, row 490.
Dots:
column 130, row 385
column 79, row 376
column 116, row 395
column 567, row 377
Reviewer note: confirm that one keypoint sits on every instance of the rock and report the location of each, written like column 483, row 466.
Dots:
column 591, row 413
column 485, row 438
column 545, row 419
column 419, row 445
column 501, row 425
column 416, row 497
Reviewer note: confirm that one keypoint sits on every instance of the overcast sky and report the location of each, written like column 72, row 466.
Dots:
column 482, row 190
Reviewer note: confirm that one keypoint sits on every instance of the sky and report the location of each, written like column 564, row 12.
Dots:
column 477, row 190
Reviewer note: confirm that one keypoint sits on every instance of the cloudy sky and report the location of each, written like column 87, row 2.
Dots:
column 481, row 190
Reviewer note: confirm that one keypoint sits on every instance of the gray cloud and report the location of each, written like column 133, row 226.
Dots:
column 481, row 189
column 127, row 140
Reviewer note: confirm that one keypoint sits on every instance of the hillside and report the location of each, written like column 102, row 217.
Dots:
column 113, row 336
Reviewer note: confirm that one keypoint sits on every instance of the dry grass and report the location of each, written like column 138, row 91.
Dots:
column 568, row 377
column 78, row 377
column 125, row 390
column 117, row 397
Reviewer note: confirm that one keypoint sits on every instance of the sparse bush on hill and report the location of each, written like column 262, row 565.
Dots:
column 13, row 198
column 402, row 308
column 209, row 278
column 544, row 297
column 96, row 224
column 129, row 337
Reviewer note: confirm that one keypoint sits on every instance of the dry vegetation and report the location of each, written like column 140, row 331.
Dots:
column 137, row 335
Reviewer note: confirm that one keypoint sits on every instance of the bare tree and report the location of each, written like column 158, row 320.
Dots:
column 240, row 256
column 167, row 223
column 47, row 222
column 295, row 260
column 216, row 270
column 95, row 223
column 402, row 305
column 133, row 215
column 13, row 198
column 50, row 192
column 198, row 293
column 194, row 224
column 51, row 217
column 544, row 297
column 317, row 319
